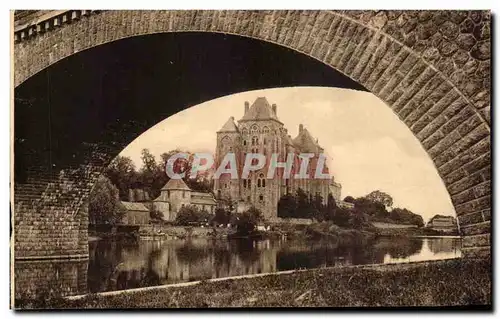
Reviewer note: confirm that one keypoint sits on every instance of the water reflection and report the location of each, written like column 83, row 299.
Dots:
column 125, row 265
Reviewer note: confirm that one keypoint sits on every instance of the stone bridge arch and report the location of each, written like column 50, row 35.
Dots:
column 432, row 68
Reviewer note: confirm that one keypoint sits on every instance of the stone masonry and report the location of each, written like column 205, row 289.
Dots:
column 431, row 67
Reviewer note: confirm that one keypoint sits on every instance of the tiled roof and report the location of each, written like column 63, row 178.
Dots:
column 176, row 183
column 305, row 142
column 202, row 198
column 229, row 126
column 260, row 110
column 135, row 206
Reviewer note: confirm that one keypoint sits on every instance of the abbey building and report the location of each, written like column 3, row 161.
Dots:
column 260, row 131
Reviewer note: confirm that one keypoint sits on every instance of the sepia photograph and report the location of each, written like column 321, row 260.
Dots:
column 251, row 158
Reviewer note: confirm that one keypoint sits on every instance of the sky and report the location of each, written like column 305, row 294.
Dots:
column 368, row 147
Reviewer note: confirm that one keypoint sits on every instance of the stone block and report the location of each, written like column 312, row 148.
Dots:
column 476, row 229
column 476, row 241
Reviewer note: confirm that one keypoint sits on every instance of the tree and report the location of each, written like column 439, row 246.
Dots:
column 406, row 216
column 380, row 197
column 303, row 204
column 187, row 215
column 155, row 214
column 371, row 208
column 104, row 203
column 122, row 173
column 287, row 206
column 222, row 216
column 341, row 217
column 349, row 199
column 151, row 175
column 248, row 220
column 330, row 208
column 191, row 214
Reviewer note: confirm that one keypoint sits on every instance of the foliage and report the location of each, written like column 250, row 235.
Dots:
column 104, row 203
column 121, row 172
column 191, row 214
column 372, row 207
column 222, row 216
column 152, row 176
column 247, row 221
column 155, row 214
column 406, row 216
column 349, row 199
column 380, row 197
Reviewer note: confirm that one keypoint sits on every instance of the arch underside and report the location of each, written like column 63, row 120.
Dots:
column 431, row 68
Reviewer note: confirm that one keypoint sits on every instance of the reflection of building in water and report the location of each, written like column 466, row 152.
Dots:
column 430, row 251
column 45, row 279
column 443, row 245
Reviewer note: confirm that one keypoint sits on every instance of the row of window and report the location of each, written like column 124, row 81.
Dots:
column 255, row 129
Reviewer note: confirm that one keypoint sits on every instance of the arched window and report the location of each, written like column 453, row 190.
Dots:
column 261, row 181
column 245, row 142
column 255, row 140
column 261, row 198
column 254, row 129
column 244, row 131
column 244, row 183
column 226, row 140
column 265, row 141
column 265, row 130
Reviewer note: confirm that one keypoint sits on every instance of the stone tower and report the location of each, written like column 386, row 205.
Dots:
column 260, row 131
column 228, row 141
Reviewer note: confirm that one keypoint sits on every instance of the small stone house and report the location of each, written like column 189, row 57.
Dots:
column 136, row 214
column 176, row 194
column 440, row 222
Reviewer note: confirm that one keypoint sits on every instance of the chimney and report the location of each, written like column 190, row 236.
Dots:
column 301, row 128
column 247, row 106
column 275, row 109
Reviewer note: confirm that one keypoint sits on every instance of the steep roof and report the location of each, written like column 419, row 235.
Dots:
column 135, row 206
column 288, row 140
column 175, row 184
column 229, row 126
column 202, row 198
column 305, row 142
column 260, row 110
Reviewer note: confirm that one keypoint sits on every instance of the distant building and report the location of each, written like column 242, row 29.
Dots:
column 136, row 214
column 440, row 222
column 176, row 194
column 346, row 205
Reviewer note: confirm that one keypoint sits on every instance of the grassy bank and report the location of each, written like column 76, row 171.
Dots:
column 441, row 283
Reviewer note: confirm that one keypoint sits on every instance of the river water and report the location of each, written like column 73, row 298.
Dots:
column 115, row 265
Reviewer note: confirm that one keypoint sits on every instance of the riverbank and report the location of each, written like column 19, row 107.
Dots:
column 456, row 282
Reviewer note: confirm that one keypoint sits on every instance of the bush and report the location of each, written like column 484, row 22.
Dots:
column 189, row 215
column 247, row 222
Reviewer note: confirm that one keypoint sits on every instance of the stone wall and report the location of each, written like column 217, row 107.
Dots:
column 432, row 68
column 44, row 279
column 51, row 210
